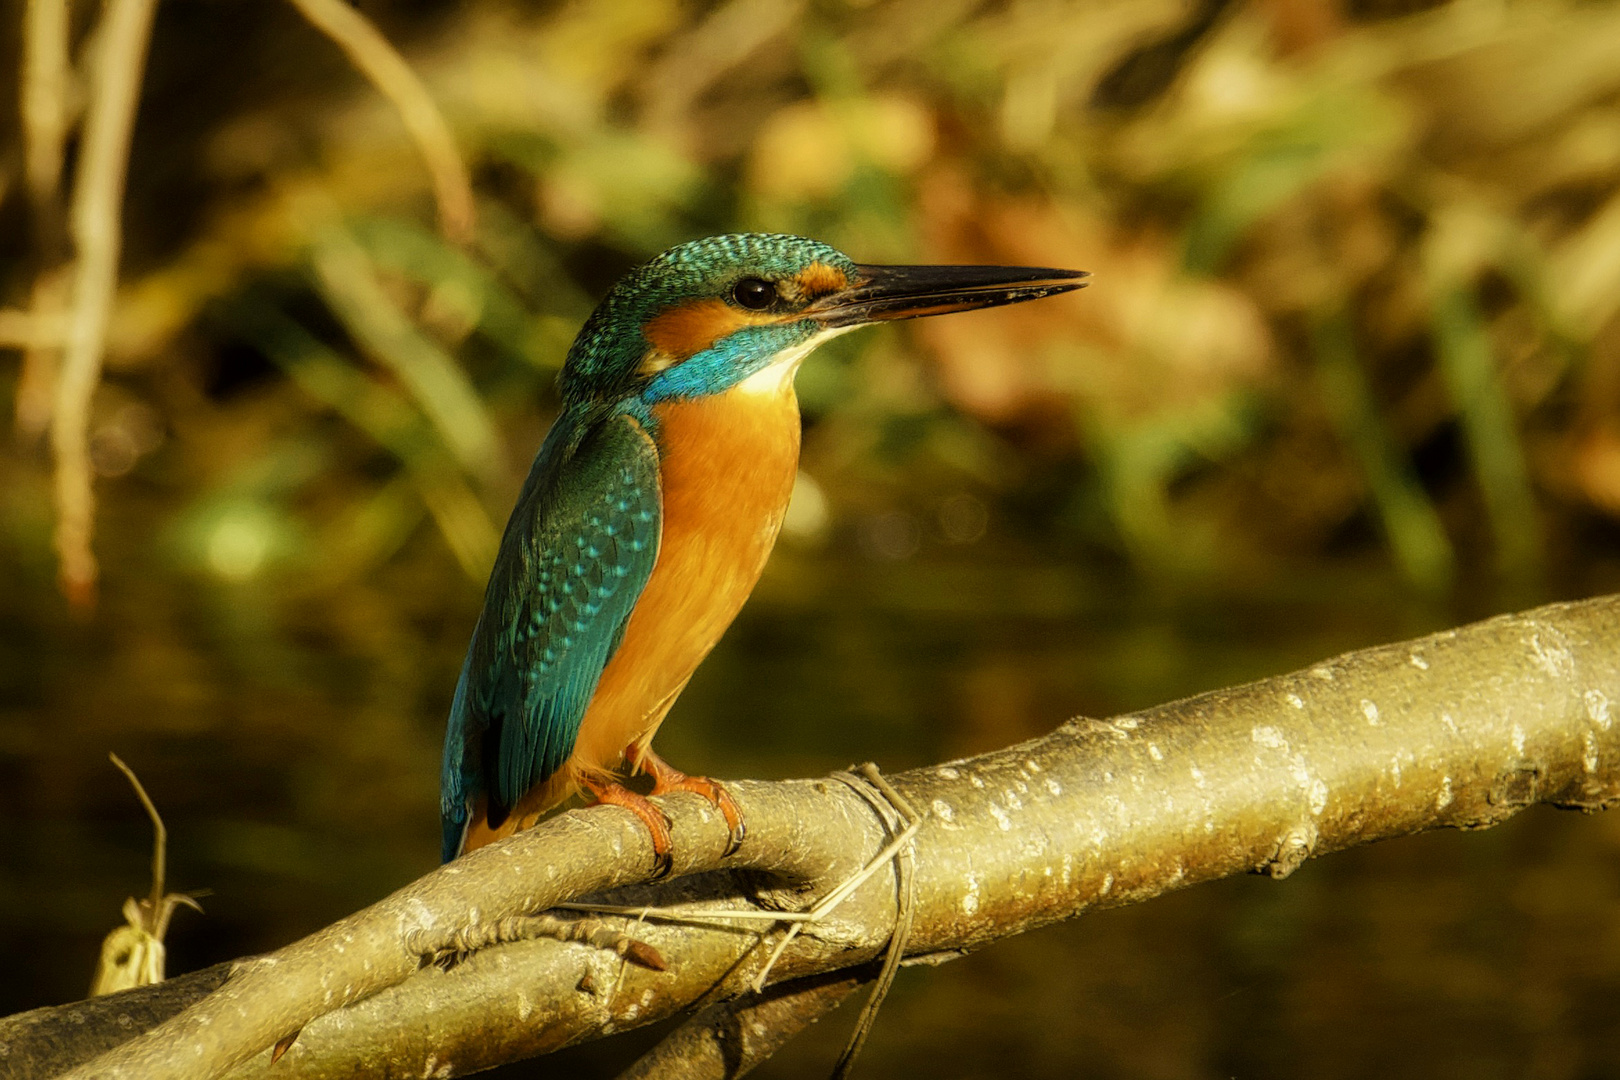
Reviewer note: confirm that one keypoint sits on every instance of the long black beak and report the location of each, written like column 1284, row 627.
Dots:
column 880, row 293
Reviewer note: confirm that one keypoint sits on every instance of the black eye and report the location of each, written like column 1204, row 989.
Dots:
column 754, row 294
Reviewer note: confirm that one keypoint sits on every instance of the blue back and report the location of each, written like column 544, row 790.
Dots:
column 577, row 552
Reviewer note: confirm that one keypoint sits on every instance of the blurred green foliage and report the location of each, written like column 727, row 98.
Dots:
column 1314, row 229
column 1349, row 367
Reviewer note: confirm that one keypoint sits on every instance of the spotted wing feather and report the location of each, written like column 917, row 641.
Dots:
column 577, row 552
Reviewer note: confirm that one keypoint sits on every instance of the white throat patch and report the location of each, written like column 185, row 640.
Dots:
column 777, row 376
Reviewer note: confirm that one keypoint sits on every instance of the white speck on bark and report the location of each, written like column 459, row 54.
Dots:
column 1269, row 737
column 1518, row 739
column 1319, row 797
column 1589, row 755
column 970, row 899
column 1443, row 798
column 1418, row 662
column 1555, row 658
column 1154, row 752
column 1369, row 709
column 1597, row 708
column 945, row 772
column 1295, row 700
column 417, row 917
column 945, row 812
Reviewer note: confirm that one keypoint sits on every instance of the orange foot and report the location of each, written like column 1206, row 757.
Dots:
column 614, row 793
column 667, row 778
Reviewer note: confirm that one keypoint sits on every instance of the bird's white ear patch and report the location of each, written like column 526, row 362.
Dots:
column 775, row 378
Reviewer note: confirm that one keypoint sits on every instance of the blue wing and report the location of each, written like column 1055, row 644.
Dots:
column 577, row 552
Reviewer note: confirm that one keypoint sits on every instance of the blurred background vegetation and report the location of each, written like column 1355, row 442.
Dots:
column 1349, row 370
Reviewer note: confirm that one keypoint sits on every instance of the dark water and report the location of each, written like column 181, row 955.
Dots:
column 292, row 742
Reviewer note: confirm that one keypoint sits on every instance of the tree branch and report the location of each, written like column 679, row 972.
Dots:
column 94, row 220
column 1461, row 730
column 381, row 63
column 730, row 1038
column 45, row 93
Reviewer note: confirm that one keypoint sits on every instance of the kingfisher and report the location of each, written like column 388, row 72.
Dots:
column 648, row 515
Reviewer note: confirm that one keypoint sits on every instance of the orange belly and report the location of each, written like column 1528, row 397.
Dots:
column 726, row 464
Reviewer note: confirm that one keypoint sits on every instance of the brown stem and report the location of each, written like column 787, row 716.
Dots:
column 381, row 63
column 732, row 1037
column 94, row 221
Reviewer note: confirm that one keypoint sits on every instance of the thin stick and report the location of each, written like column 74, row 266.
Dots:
column 94, row 221
column 381, row 63
column 699, row 916
column 906, row 871
column 758, row 984
column 39, row 333
column 160, row 845
column 731, row 1037
column 692, row 917
column 45, row 120
column 24, row 329
column 797, row 920
column 44, row 95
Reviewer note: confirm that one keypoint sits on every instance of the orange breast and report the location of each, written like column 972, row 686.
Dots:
column 727, row 465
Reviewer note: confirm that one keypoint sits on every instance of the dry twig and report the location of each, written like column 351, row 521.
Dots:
column 96, row 229
column 134, row 954
column 46, row 112
column 381, row 63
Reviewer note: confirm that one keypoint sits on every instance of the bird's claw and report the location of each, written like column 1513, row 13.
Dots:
column 739, row 833
column 667, row 779
column 663, row 845
column 656, row 821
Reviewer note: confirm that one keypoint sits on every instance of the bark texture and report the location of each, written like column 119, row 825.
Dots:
column 1460, row 729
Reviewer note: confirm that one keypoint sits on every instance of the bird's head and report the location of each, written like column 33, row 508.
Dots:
column 707, row 315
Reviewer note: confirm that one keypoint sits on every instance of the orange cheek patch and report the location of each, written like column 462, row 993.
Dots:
column 687, row 330
column 818, row 279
